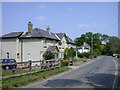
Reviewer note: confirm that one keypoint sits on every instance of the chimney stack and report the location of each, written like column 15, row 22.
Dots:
column 30, row 28
column 48, row 29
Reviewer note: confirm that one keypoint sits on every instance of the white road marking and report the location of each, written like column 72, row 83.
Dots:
column 115, row 73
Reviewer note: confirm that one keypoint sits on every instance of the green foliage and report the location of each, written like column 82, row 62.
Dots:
column 96, row 52
column 64, row 63
column 69, row 52
column 48, row 55
column 83, row 55
column 113, row 46
column 79, row 59
column 100, row 43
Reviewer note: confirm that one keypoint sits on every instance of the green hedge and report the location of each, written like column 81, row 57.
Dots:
column 48, row 55
column 64, row 63
column 83, row 55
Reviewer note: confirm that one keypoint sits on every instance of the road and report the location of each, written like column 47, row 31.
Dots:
column 100, row 73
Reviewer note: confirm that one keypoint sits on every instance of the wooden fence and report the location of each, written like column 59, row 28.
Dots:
column 43, row 65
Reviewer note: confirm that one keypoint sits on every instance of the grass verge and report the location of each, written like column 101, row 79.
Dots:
column 18, row 71
column 28, row 79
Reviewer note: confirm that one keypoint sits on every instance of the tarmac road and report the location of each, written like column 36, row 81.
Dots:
column 100, row 73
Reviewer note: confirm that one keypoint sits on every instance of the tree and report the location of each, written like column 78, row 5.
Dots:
column 112, row 46
column 100, row 43
column 104, row 38
column 92, row 39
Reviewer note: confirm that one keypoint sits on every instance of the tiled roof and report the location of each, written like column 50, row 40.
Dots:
column 39, row 33
column 85, row 46
column 12, row 35
column 70, row 40
column 61, row 35
column 52, row 48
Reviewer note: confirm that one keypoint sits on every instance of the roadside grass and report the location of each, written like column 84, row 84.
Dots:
column 20, row 81
column 79, row 59
column 6, row 73
column 82, row 60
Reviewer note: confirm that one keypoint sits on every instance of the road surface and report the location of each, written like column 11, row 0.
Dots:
column 100, row 73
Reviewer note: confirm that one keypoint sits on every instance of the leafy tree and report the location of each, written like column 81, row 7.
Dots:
column 112, row 46
column 104, row 38
column 100, row 43
column 95, row 40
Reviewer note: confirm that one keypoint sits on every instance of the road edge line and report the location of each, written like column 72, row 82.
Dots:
column 116, row 67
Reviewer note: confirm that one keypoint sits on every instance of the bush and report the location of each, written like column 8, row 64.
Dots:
column 64, row 63
column 83, row 55
column 69, row 52
column 75, row 59
column 48, row 55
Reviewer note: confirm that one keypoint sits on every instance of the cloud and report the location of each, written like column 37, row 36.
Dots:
column 87, row 26
column 40, row 18
column 69, row 8
column 43, row 6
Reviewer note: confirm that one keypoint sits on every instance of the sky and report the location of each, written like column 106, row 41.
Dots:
column 72, row 18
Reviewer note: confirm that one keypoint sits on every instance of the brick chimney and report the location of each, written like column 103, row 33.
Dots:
column 30, row 28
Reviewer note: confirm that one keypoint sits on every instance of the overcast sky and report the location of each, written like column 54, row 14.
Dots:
column 72, row 18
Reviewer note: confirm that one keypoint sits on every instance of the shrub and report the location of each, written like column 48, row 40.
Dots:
column 69, row 52
column 64, row 63
column 75, row 59
column 83, row 55
column 48, row 55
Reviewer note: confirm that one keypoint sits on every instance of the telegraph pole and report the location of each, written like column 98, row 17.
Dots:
column 92, row 46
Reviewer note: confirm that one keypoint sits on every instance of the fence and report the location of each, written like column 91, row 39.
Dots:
column 44, row 65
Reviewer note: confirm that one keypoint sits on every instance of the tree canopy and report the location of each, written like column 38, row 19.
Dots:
column 100, row 43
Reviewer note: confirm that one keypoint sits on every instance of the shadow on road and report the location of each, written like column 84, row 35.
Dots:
column 62, row 83
column 102, row 80
column 96, row 81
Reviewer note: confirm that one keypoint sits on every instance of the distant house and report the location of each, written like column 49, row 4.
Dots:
column 84, row 48
column 31, row 45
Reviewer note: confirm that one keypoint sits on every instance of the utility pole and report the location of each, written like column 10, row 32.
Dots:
column 92, row 46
